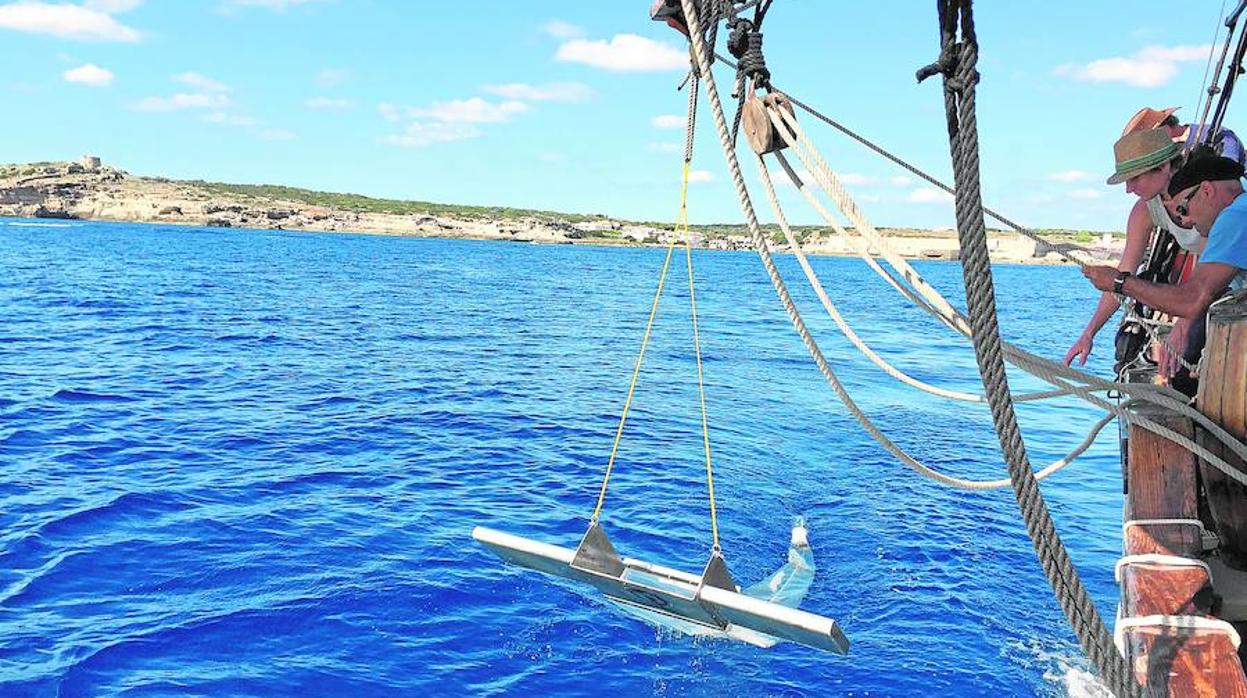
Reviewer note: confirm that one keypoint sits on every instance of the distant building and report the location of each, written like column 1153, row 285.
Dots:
column 90, row 163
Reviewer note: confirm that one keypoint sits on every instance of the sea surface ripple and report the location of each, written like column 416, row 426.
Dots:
column 248, row 463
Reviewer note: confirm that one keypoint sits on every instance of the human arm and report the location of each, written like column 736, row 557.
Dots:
column 1082, row 348
column 1188, row 300
column 1138, row 232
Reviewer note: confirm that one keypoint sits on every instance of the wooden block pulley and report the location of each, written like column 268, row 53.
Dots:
column 757, row 125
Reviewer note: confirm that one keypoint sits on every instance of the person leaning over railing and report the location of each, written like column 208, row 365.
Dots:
column 1208, row 194
column 1145, row 162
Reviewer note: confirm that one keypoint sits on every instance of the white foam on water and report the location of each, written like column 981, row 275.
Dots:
column 40, row 225
column 1064, row 669
column 1080, row 683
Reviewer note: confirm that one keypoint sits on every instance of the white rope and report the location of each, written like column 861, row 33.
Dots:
column 1046, row 370
column 930, row 299
column 830, row 307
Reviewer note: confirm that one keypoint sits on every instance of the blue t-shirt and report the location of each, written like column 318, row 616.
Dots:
column 1227, row 241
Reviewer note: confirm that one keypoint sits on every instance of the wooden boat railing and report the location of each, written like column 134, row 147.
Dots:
column 1182, row 537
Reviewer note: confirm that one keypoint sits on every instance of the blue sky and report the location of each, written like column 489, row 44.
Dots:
column 559, row 105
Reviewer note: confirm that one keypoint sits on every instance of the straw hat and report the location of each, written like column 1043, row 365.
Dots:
column 1140, row 151
column 1146, row 118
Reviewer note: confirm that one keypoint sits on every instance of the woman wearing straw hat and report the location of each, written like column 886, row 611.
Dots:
column 1146, row 159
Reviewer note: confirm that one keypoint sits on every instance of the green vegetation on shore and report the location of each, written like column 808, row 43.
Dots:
column 367, row 204
column 263, row 195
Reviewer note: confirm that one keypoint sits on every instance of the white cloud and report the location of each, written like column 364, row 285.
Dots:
column 75, row 22
column 469, row 111
column 700, row 176
column 112, row 7
column 274, row 134
column 210, row 94
column 901, row 182
column 419, row 135
column 183, row 100
column 562, row 30
column 855, row 179
column 781, row 178
column 277, row 5
column 89, row 74
column 390, row 112
column 869, row 198
column 200, row 82
column 1086, row 194
column 666, row 148
column 251, row 125
column 1070, row 176
column 928, row 195
column 625, row 53
column 220, row 117
column 332, row 77
column 667, row 121
column 552, row 92
column 1152, row 66
column 329, row 103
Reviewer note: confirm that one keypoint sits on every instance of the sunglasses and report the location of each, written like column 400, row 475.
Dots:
column 1182, row 208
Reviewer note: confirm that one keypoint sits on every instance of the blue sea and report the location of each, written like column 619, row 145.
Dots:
column 248, row 463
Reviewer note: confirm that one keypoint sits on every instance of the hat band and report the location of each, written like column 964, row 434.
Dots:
column 1147, row 161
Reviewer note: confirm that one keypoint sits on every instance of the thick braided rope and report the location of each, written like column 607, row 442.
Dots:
column 1029, row 362
column 1038, row 366
column 792, row 134
column 830, row 307
column 1043, row 246
column 928, row 298
column 764, row 252
column 699, row 53
column 959, row 97
column 861, row 416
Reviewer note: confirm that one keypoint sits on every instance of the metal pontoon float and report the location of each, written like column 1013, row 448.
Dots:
column 711, row 601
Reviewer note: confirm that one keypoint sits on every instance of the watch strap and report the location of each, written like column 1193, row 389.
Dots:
column 1120, row 280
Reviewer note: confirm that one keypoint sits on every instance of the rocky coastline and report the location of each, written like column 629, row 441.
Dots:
column 91, row 190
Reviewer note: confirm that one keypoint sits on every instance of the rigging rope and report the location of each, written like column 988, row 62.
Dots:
column 1042, row 246
column 1231, row 76
column 1047, row 370
column 926, row 297
column 864, row 253
column 1209, row 90
column 681, row 226
column 957, row 63
column 636, row 373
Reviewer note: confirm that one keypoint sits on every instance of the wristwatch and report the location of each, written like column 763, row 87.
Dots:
column 1120, row 280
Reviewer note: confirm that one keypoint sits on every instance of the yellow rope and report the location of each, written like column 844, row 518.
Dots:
column 636, row 371
column 681, row 223
column 701, row 388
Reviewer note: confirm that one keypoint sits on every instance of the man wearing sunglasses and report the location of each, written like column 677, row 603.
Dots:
column 1210, row 198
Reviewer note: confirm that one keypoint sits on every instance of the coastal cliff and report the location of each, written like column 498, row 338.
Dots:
column 90, row 190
